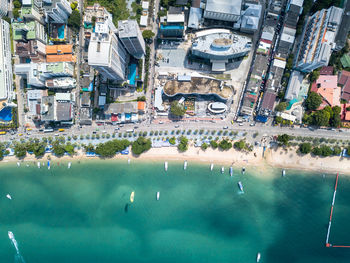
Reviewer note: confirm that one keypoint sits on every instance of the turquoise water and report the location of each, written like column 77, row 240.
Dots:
column 84, row 214
column 132, row 74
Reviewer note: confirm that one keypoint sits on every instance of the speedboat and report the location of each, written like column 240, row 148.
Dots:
column 128, row 160
column 231, row 171
column 13, row 240
column 132, row 195
column 240, row 185
column 69, row 165
column 243, row 170
column 166, row 166
column 38, row 163
column 158, row 193
column 11, row 235
column 283, row 172
column 9, row 196
column 18, row 164
column 258, row 256
column 185, row 165
column 211, row 167
column 48, row 165
column 222, row 170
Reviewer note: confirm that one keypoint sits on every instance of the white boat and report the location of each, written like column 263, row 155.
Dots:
column 13, row 240
column 27, row 165
column 243, row 170
column 158, row 193
column 258, row 256
column 240, row 185
column 231, row 171
column 222, row 170
column 166, row 166
column 132, row 196
column 283, row 172
column 211, row 167
column 69, row 165
column 18, row 164
column 9, row 196
column 48, row 165
column 129, row 160
column 185, row 165
column 38, row 163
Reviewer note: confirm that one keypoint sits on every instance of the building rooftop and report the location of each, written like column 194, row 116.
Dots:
column 224, row 6
column 198, row 85
column 268, row 100
column 294, row 84
column 327, row 87
column 344, row 81
column 221, row 43
column 59, row 49
column 195, row 17
column 327, row 70
column 47, row 108
column 63, row 111
column 119, row 108
column 127, row 28
column 66, row 82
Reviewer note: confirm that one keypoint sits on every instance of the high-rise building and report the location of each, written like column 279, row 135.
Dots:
column 3, row 8
column 32, row 10
column 131, row 37
column 6, row 76
column 57, row 11
column 106, row 52
column 318, row 39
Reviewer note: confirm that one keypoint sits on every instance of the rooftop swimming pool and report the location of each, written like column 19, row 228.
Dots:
column 60, row 31
column 6, row 114
column 132, row 74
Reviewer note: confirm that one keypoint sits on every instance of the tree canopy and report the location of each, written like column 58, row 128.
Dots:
column 282, row 106
column 74, row 20
column 148, row 34
column 225, row 145
column 283, row 139
column 141, row 145
column 183, row 145
column 177, row 109
column 305, row 148
column 313, row 101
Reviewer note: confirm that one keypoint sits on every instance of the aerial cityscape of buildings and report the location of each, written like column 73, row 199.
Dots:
column 236, row 61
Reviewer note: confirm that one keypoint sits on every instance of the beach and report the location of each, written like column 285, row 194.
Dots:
column 273, row 157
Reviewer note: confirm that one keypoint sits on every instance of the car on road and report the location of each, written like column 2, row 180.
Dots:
column 252, row 124
column 225, row 127
column 161, row 122
column 241, row 124
column 116, row 129
column 177, row 126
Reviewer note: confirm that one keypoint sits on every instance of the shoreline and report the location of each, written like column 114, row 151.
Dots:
column 273, row 158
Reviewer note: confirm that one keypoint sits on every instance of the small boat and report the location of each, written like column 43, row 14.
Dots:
column 69, row 165
column 243, row 170
column 240, row 185
column 211, row 167
column 18, row 164
column 283, row 172
column 185, row 165
column 38, row 163
column 231, row 171
column 9, row 196
column 48, row 165
column 132, row 196
column 166, row 166
column 27, row 165
column 222, row 170
column 129, row 160
column 258, row 256
column 158, row 193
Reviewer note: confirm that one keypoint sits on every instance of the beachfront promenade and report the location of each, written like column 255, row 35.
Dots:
column 250, row 130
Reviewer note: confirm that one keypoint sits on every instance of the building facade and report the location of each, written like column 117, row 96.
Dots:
column 3, row 8
column 6, row 77
column 318, row 39
column 57, row 11
column 131, row 37
column 107, row 53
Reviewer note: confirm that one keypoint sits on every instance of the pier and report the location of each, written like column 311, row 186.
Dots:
column 331, row 216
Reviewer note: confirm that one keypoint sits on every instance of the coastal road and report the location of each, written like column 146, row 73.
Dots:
column 250, row 130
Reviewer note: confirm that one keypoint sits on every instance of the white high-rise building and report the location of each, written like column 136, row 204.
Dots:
column 106, row 52
column 57, row 11
column 3, row 8
column 6, row 76
column 318, row 39
column 131, row 37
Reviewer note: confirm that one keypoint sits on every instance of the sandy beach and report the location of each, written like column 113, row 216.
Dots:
column 272, row 158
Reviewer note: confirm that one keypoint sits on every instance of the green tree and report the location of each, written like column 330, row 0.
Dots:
column 17, row 4
column 204, row 146
column 239, row 145
column 283, row 139
column 335, row 121
column 313, row 101
column 172, row 140
column 58, row 149
column 148, row 34
column 141, row 145
column 316, row 151
column 282, row 106
column 314, row 75
column 321, row 118
column 214, row 144
column 20, row 150
column 177, row 110
column 225, row 145
column 336, row 150
column 39, row 149
column 69, row 148
column 305, row 148
column 326, row 150
column 74, row 20
column 183, row 145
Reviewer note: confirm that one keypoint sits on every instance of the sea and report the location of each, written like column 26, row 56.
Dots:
column 84, row 214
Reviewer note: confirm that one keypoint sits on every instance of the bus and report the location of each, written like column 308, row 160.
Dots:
column 48, row 130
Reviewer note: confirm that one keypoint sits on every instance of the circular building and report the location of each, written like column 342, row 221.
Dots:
column 217, row 107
